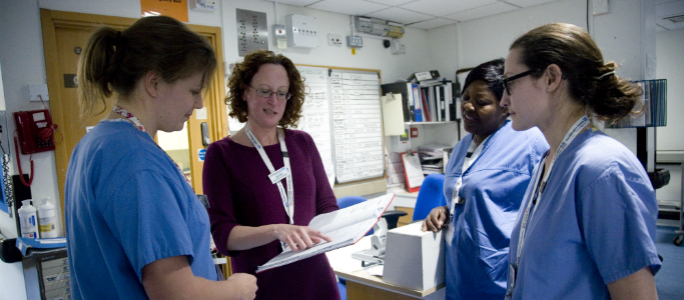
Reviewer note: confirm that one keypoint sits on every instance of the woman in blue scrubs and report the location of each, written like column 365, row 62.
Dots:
column 587, row 223
column 485, row 181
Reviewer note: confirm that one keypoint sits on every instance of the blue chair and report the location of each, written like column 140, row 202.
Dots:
column 347, row 201
column 431, row 195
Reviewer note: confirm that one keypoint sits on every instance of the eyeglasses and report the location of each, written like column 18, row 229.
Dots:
column 507, row 81
column 267, row 94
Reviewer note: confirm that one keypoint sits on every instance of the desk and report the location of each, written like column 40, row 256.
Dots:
column 361, row 285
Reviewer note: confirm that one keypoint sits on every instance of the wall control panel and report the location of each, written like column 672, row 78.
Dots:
column 354, row 41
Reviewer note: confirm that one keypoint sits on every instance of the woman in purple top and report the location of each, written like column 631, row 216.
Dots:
column 252, row 213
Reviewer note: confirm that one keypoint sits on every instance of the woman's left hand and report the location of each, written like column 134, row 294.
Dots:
column 436, row 219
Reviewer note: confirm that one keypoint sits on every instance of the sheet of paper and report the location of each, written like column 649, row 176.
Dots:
column 413, row 170
column 345, row 227
column 392, row 114
column 357, row 125
column 315, row 118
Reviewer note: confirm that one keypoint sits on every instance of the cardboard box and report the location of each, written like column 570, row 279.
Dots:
column 413, row 258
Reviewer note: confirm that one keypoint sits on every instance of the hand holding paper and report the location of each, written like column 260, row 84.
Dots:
column 299, row 237
column 345, row 227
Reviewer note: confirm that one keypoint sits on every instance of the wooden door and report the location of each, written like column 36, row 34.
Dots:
column 64, row 35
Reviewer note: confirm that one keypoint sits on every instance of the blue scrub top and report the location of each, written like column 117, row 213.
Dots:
column 128, row 205
column 493, row 188
column 595, row 223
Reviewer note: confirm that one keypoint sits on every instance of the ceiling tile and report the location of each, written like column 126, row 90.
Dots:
column 526, row 3
column 348, row 7
column 482, row 11
column 434, row 23
column 391, row 2
column 444, row 7
column 296, row 2
column 399, row 15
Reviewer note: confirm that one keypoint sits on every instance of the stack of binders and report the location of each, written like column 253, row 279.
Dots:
column 426, row 98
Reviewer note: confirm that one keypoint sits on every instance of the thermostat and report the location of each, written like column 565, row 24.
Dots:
column 354, row 41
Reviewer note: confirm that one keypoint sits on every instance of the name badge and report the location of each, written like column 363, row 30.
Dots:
column 277, row 176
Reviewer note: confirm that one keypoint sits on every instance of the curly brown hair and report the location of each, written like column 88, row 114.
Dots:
column 573, row 50
column 242, row 76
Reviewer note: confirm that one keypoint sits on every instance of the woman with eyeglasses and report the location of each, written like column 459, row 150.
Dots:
column 266, row 182
column 587, row 223
column 486, row 178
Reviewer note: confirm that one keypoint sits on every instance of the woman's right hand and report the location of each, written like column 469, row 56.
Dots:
column 243, row 286
column 436, row 219
column 298, row 237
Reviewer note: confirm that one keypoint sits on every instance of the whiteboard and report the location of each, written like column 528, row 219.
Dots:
column 342, row 112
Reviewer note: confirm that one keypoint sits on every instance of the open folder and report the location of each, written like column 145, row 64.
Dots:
column 345, row 227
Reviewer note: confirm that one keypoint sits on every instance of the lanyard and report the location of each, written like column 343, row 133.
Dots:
column 455, row 199
column 136, row 122
column 276, row 177
column 467, row 162
column 540, row 186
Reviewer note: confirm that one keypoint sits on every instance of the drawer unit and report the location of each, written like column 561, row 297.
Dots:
column 46, row 274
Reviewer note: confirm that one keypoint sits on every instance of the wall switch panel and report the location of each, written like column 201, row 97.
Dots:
column 301, row 31
column 334, row 40
column 36, row 90
column 600, row 7
column 354, row 41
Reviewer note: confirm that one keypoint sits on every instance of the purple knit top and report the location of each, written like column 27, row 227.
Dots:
column 235, row 180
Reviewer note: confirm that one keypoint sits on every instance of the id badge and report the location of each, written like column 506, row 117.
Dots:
column 512, row 276
column 451, row 227
column 277, row 176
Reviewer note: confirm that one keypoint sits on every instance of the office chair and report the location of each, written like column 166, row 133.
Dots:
column 431, row 195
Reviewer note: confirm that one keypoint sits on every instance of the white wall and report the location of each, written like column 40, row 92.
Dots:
column 21, row 54
column 670, row 66
column 618, row 34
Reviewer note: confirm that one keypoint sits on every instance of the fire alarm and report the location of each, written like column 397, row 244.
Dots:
column 414, row 132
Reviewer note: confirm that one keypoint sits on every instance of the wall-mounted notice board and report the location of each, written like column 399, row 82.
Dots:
column 343, row 115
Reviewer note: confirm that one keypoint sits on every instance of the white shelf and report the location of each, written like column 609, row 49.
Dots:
column 430, row 123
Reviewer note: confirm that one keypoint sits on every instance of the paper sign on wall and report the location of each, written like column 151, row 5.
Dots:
column 177, row 9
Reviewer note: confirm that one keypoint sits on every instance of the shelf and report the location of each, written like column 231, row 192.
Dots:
column 430, row 123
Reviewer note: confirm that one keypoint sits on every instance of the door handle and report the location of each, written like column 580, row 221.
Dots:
column 204, row 127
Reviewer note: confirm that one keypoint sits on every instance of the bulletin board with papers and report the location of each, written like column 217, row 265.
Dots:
column 342, row 112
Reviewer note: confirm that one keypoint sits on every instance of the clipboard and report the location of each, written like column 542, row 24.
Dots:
column 412, row 171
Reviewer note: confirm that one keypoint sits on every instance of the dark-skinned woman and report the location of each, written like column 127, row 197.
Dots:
column 486, row 178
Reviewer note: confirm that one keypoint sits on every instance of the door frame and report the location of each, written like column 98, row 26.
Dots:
column 215, row 93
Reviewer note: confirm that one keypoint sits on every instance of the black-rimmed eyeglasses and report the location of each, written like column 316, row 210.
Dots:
column 263, row 93
column 506, row 81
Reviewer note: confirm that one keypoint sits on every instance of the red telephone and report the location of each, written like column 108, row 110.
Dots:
column 34, row 129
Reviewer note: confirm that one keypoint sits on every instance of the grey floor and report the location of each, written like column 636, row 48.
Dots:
column 670, row 279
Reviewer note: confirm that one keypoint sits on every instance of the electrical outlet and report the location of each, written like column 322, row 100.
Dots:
column 334, row 40
column 397, row 47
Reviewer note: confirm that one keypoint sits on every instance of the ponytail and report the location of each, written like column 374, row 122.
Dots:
column 593, row 83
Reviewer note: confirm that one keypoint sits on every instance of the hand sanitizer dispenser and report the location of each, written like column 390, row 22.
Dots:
column 46, row 219
column 27, row 220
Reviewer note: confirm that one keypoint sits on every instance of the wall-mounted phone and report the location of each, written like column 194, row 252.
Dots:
column 34, row 131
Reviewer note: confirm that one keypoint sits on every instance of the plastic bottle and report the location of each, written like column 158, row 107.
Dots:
column 46, row 219
column 27, row 220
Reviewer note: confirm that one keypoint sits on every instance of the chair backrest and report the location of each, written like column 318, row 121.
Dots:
column 431, row 195
column 347, row 201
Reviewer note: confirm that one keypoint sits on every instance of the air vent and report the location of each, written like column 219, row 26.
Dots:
column 675, row 19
